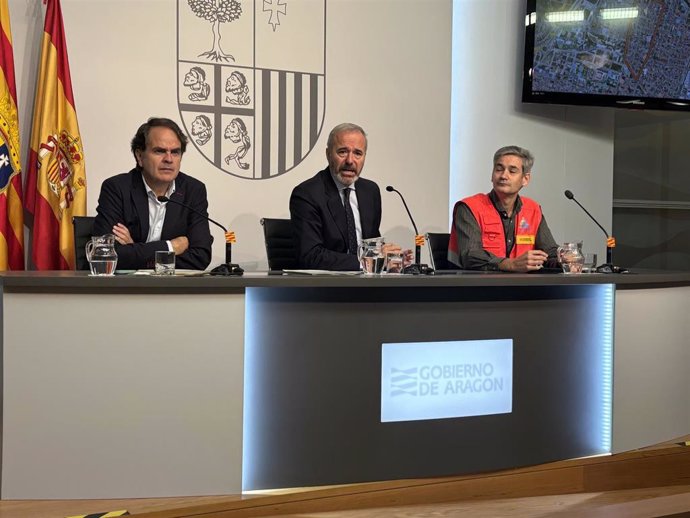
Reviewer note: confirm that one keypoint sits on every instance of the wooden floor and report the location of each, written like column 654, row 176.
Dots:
column 645, row 483
column 635, row 503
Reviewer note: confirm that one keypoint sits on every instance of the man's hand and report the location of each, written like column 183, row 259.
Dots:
column 180, row 244
column 527, row 262
column 408, row 256
column 390, row 248
column 122, row 234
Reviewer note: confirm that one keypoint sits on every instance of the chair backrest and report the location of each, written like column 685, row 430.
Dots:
column 280, row 245
column 83, row 228
column 438, row 251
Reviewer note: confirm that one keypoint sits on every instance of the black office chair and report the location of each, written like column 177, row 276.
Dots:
column 438, row 251
column 83, row 230
column 280, row 245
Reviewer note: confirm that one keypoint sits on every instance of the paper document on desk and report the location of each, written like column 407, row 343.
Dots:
column 321, row 272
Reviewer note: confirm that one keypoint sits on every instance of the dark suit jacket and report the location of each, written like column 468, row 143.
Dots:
column 123, row 200
column 319, row 225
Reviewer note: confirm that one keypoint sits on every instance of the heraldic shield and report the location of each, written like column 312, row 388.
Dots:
column 251, row 81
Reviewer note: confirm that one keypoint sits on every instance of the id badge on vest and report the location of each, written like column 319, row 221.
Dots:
column 524, row 239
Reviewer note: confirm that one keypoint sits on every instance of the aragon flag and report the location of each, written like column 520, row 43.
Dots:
column 56, row 180
column 11, row 211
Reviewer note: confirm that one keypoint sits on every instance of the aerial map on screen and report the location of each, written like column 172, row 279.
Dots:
column 623, row 48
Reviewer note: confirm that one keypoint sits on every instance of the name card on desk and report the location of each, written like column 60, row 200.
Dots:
column 440, row 380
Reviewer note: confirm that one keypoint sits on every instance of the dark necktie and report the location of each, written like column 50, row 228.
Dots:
column 350, row 219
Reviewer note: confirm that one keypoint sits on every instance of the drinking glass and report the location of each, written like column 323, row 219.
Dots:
column 394, row 262
column 165, row 263
column 590, row 263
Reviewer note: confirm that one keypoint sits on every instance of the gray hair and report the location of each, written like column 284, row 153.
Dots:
column 343, row 128
column 525, row 155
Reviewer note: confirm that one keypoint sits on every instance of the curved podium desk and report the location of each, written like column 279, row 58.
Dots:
column 134, row 386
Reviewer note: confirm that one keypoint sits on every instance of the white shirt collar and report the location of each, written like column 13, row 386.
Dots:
column 150, row 193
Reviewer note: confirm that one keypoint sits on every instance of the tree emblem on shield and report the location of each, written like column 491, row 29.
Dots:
column 251, row 81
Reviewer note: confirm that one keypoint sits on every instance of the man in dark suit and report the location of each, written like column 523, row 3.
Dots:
column 128, row 205
column 328, row 220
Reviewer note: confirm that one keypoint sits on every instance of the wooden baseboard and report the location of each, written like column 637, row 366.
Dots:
column 638, row 469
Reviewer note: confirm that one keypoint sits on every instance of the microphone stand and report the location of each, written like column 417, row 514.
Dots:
column 228, row 268
column 416, row 268
column 608, row 267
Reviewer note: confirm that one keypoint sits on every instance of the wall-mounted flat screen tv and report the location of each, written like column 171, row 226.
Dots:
column 623, row 53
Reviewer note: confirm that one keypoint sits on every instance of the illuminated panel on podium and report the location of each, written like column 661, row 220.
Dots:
column 433, row 381
column 440, row 380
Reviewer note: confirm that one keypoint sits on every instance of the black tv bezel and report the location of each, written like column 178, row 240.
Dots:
column 580, row 99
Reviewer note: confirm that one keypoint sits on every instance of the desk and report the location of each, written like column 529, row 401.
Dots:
column 102, row 401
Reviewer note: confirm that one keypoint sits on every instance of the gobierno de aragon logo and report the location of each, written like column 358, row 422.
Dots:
column 436, row 380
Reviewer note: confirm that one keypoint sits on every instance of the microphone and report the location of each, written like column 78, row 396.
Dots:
column 229, row 268
column 610, row 241
column 416, row 268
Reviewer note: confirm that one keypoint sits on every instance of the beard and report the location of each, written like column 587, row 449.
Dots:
column 346, row 180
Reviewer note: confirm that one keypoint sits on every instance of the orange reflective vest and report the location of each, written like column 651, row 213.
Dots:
column 491, row 226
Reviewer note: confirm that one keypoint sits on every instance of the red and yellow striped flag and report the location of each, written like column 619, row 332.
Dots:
column 11, row 211
column 56, row 180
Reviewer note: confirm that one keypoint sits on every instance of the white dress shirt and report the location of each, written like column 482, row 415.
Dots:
column 157, row 213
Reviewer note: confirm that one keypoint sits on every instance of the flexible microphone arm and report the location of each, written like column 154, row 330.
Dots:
column 417, row 248
column 571, row 196
column 390, row 188
column 609, row 250
column 164, row 199
column 224, row 269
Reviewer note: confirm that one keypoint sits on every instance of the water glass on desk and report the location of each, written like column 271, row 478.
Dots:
column 590, row 263
column 164, row 263
column 394, row 262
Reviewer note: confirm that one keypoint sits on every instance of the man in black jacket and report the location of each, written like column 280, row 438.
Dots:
column 335, row 209
column 128, row 205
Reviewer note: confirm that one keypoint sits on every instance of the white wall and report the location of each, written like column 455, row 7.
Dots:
column 573, row 146
column 388, row 66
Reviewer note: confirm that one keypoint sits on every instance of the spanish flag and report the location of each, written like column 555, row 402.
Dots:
column 56, row 180
column 11, row 212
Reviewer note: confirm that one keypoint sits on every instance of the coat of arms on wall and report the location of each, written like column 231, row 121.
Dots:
column 251, row 81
